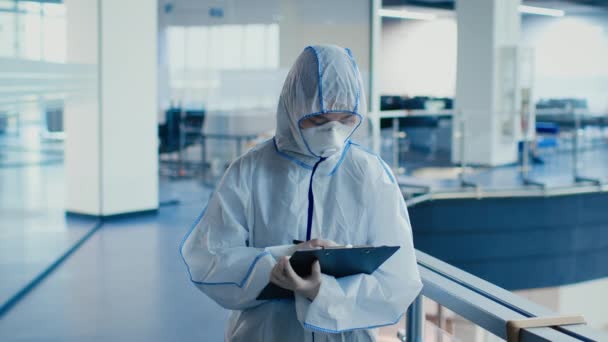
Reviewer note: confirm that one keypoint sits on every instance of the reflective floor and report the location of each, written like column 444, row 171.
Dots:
column 34, row 230
column 126, row 283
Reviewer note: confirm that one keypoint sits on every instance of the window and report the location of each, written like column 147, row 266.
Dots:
column 54, row 34
column 225, row 47
column 32, row 30
column 7, row 29
column 216, row 66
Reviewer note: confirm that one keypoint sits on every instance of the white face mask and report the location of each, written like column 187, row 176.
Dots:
column 326, row 139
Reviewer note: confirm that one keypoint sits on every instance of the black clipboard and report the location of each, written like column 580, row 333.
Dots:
column 335, row 261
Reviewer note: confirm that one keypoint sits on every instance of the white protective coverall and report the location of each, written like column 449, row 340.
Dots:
column 280, row 191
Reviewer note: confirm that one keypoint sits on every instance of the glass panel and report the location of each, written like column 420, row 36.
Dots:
column 53, row 10
column 443, row 325
column 29, row 6
column 54, row 38
column 36, row 99
column 7, row 34
column 7, row 4
column 216, row 41
column 196, row 49
column 433, row 330
column 231, row 66
column 232, row 47
column 176, row 47
column 272, row 46
column 254, row 46
column 30, row 32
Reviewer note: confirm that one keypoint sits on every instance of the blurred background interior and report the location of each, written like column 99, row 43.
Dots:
column 117, row 119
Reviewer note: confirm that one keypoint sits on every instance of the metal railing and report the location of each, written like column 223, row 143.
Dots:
column 578, row 178
column 485, row 305
column 528, row 185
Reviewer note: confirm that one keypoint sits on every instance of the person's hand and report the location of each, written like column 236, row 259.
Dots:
column 284, row 276
column 315, row 243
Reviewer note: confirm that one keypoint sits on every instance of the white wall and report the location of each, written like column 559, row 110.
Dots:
column 418, row 57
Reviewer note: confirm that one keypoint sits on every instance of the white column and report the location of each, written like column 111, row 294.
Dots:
column 485, row 29
column 111, row 134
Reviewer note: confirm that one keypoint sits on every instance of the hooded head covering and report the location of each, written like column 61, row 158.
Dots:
column 324, row 79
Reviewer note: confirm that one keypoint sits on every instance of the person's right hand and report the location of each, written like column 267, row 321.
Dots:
column 315, row 243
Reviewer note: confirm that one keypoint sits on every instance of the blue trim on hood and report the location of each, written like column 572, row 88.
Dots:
column 288, row 157
column 329, row 112
column 356, row 70
column 344, row 151
column 319, row 75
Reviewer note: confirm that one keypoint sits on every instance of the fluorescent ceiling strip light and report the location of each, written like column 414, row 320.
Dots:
column 402, row 14
column 541, row 11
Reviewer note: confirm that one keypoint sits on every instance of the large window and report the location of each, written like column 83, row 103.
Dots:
column 224, row 47
column 223, row 65
column 32, row 30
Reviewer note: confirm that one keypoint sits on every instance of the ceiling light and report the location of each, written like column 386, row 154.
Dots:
column 402, row 14
column 541, row 11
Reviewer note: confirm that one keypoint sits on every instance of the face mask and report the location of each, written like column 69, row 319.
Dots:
column 326, row 139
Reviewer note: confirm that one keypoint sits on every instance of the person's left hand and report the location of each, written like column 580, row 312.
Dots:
column 283, row 275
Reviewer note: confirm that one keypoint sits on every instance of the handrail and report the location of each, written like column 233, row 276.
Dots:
column 507, row 193
column 488, row 305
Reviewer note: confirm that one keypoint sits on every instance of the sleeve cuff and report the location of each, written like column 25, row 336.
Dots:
column 281, row 250
column 324, row 312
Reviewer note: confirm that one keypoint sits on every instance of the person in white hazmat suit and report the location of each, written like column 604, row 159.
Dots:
column 310, row 183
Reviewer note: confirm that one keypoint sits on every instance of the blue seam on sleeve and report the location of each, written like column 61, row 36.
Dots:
column 288, row 157
column 242, row 283
column 181, row 246
column 356, row 69
column 387, row 170
column 341, row 158
column 314, row 327
column 384, row 166
column 320, row 79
